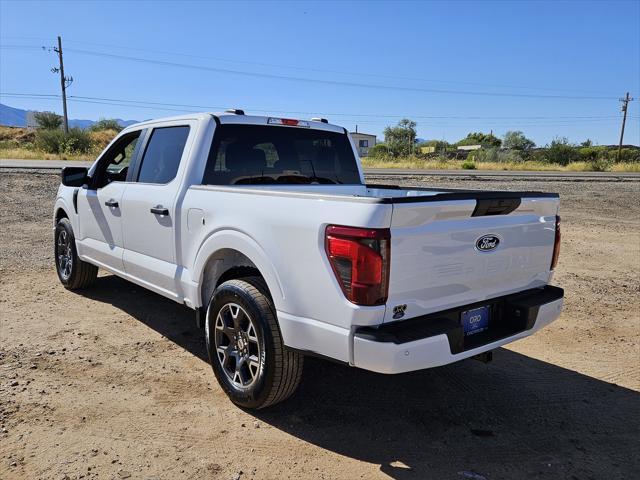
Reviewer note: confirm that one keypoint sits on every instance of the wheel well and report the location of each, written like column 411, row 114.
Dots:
column 238, row 272
column 60, row 214
column 225, row 264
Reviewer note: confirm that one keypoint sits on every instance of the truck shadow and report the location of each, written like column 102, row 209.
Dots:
column 516, row 417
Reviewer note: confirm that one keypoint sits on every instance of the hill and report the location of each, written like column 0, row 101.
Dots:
column 16, row 117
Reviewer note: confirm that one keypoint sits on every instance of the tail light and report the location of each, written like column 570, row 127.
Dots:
column 556, row 245
column 360, row 260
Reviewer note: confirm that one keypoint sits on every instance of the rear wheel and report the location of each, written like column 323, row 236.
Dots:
column 245, row 347
column 72, row 272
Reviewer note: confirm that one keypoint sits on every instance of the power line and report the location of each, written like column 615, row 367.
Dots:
column 127, row 102
column 214, row 107
column 21, row 47
column 470, row 126
column 332, row 82
column 311, row 69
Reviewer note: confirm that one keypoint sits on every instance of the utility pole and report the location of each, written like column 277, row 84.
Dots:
column 625, row 104
column 64, row 83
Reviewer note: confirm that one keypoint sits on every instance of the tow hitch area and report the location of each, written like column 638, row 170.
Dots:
column 484, row 357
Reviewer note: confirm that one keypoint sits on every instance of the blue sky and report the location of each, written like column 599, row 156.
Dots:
column 454, row 67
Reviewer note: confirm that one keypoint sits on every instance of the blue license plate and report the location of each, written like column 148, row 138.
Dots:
column 475, row 321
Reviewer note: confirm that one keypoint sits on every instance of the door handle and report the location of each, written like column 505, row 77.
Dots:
column 111, row 203
column 160, row 210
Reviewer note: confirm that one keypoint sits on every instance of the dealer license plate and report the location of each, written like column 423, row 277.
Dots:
column 475, row 321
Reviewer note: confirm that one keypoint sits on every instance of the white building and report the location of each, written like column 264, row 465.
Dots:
column 364, row 142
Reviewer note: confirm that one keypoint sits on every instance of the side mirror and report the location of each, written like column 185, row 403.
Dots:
column 74, row 176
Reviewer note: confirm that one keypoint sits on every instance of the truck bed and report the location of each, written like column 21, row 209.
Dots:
column 435, row 262
column 379, row 193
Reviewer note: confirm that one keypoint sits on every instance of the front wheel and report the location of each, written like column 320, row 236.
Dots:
column 72, row 272
column 245, row 347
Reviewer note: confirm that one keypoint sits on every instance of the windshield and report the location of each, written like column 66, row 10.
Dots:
column 262, row 154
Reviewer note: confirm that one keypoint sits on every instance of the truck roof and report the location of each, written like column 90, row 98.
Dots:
column 235, row 118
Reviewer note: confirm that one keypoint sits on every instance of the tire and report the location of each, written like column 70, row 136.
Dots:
column 73, row 273
column 246, row 352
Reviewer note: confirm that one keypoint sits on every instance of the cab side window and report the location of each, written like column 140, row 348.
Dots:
column 162, row 155
column 115, row 163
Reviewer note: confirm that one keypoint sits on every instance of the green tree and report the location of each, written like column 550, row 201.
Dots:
column 48, row 120
column 106, row 124
column 479, row 138
column 515, row 140
column 401, row 138
column 561, row 151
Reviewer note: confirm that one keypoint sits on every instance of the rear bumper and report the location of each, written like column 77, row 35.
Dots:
column 438, row 339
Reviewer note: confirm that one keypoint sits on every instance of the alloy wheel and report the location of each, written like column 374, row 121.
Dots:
column 64, row 255
column 237, row 346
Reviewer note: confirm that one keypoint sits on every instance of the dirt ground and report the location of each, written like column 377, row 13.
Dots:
column 113, row 382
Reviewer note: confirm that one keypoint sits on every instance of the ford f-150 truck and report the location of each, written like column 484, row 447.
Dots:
column 266, row 228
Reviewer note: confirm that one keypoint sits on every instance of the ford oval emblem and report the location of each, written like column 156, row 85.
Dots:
column 486, row 243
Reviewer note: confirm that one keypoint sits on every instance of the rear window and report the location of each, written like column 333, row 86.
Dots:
column 262, row 154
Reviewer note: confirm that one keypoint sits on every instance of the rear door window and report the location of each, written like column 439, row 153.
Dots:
column 264, row 154
column 162, row 155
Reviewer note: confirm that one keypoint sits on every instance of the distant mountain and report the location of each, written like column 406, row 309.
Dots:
column 16, row 117
column 12, row 117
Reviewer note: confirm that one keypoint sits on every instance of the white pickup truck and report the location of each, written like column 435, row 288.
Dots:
column 266, row 228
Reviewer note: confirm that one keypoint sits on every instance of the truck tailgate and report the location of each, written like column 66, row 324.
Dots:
column 440, row 260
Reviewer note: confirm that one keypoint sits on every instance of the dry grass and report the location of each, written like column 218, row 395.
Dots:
column 102, row 138
column 16, row 134
column 18, row 143
column 457, row 165
column 26, row 154
column 626, row 167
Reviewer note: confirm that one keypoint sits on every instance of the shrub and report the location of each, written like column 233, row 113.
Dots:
column 379, row 150
column 77, row 141
column 589, row 153
column 600, row 165
column 469, row 165
column 56, row 141
column 479, row 138
column 49, row 140
column 48, row 120
column 106, row 124
column 560, row 151
column 627, row 155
